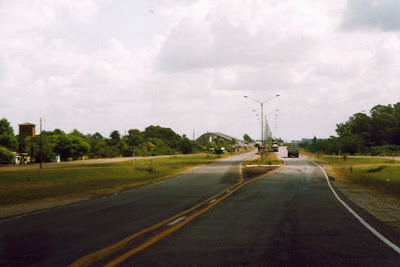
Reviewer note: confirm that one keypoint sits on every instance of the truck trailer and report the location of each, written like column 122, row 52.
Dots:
column 293, row 150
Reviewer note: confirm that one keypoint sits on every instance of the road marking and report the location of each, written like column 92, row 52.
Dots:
column 165, row 233
column 254, row 166
column 100, row 254
column 212, row 201
column 176, row 221
column 358, row 217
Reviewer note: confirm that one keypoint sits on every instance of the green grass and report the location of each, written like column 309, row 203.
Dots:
column 355, row 159
column 91, row 179
column 376, row 173
column 179, row 159
column 384, row 178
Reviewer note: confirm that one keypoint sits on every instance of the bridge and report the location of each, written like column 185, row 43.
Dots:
column 210, row 137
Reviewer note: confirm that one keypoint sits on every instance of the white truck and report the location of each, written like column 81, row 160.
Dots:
column 293, row 150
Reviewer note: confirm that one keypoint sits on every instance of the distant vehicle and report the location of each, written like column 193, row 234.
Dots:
column 275, row 147
column 293, row 150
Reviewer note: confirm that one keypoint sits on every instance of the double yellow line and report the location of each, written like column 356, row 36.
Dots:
column 181, row 221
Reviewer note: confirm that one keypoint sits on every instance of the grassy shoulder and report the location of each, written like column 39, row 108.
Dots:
column 92, row 180
column 256, row 167
column 378, row 174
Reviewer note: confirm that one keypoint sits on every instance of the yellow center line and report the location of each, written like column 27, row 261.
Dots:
column 165, row 233
column 102, row 253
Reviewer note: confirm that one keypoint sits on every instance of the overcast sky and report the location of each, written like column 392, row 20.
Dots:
column 106, row 65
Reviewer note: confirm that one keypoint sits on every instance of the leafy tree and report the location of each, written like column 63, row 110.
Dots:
column 6, row 156
column 352, row 144
column 379, row 109
column 149, row 147
column 7, row 138
column 185, row 145
column 247, row 138
column 134, row 138
column 115, row 135
column 56, row 132
column 75, row 132
column 383, row 125
column 343, row 129
column 71, row 146
column 98, row 146
column 166, row 134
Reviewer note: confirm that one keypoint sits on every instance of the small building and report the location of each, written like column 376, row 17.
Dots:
column 27, row 129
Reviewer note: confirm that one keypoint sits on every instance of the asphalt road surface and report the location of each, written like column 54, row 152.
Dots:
column 207, row 217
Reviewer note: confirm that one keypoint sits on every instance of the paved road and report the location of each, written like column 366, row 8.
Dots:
column 62, row 235
column 288, row 218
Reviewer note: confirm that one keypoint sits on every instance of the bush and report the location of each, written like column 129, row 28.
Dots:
column 386, row 150
column 6, row 156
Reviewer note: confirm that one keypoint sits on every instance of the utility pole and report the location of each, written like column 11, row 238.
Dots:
column 41, row 144
column 262, row 131
column 262, row 118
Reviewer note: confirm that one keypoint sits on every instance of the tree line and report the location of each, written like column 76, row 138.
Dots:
column 154, row 140
column 374, row 134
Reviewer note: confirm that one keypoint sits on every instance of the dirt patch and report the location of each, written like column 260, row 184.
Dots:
column 251, row 172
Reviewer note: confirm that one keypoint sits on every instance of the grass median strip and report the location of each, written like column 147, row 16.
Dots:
column 256, row 167
column 92, row 179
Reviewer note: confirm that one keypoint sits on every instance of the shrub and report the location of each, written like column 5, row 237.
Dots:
column 6, row 156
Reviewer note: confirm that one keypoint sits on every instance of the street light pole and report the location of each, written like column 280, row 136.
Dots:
column 41, row 145
column 262, row 116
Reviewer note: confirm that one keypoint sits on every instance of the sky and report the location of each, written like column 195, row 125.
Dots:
column 105, row 65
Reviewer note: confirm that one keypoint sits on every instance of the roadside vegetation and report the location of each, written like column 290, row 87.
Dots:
column 377, row 134
column 376, row 173
column 154, row 140
column 56, row 144
column 358, row 160
column 92, row 180
column 362, row 138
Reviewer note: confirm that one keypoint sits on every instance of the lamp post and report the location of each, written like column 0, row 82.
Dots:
column 262, row 113
column 275, row 118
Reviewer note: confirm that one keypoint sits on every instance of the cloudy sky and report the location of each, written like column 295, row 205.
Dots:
column 103, row 65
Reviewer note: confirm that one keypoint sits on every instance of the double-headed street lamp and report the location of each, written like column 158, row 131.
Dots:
column 262, row 113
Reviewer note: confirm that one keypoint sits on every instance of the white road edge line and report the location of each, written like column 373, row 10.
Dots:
column 369, row 227
column 176, row 221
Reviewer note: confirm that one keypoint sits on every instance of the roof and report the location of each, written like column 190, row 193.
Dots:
column 27, row 123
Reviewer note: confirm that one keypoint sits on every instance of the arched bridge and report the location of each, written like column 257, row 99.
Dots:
column 210, row 137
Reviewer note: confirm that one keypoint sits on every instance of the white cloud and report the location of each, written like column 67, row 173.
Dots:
column 101, row 65
column 376, row 15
